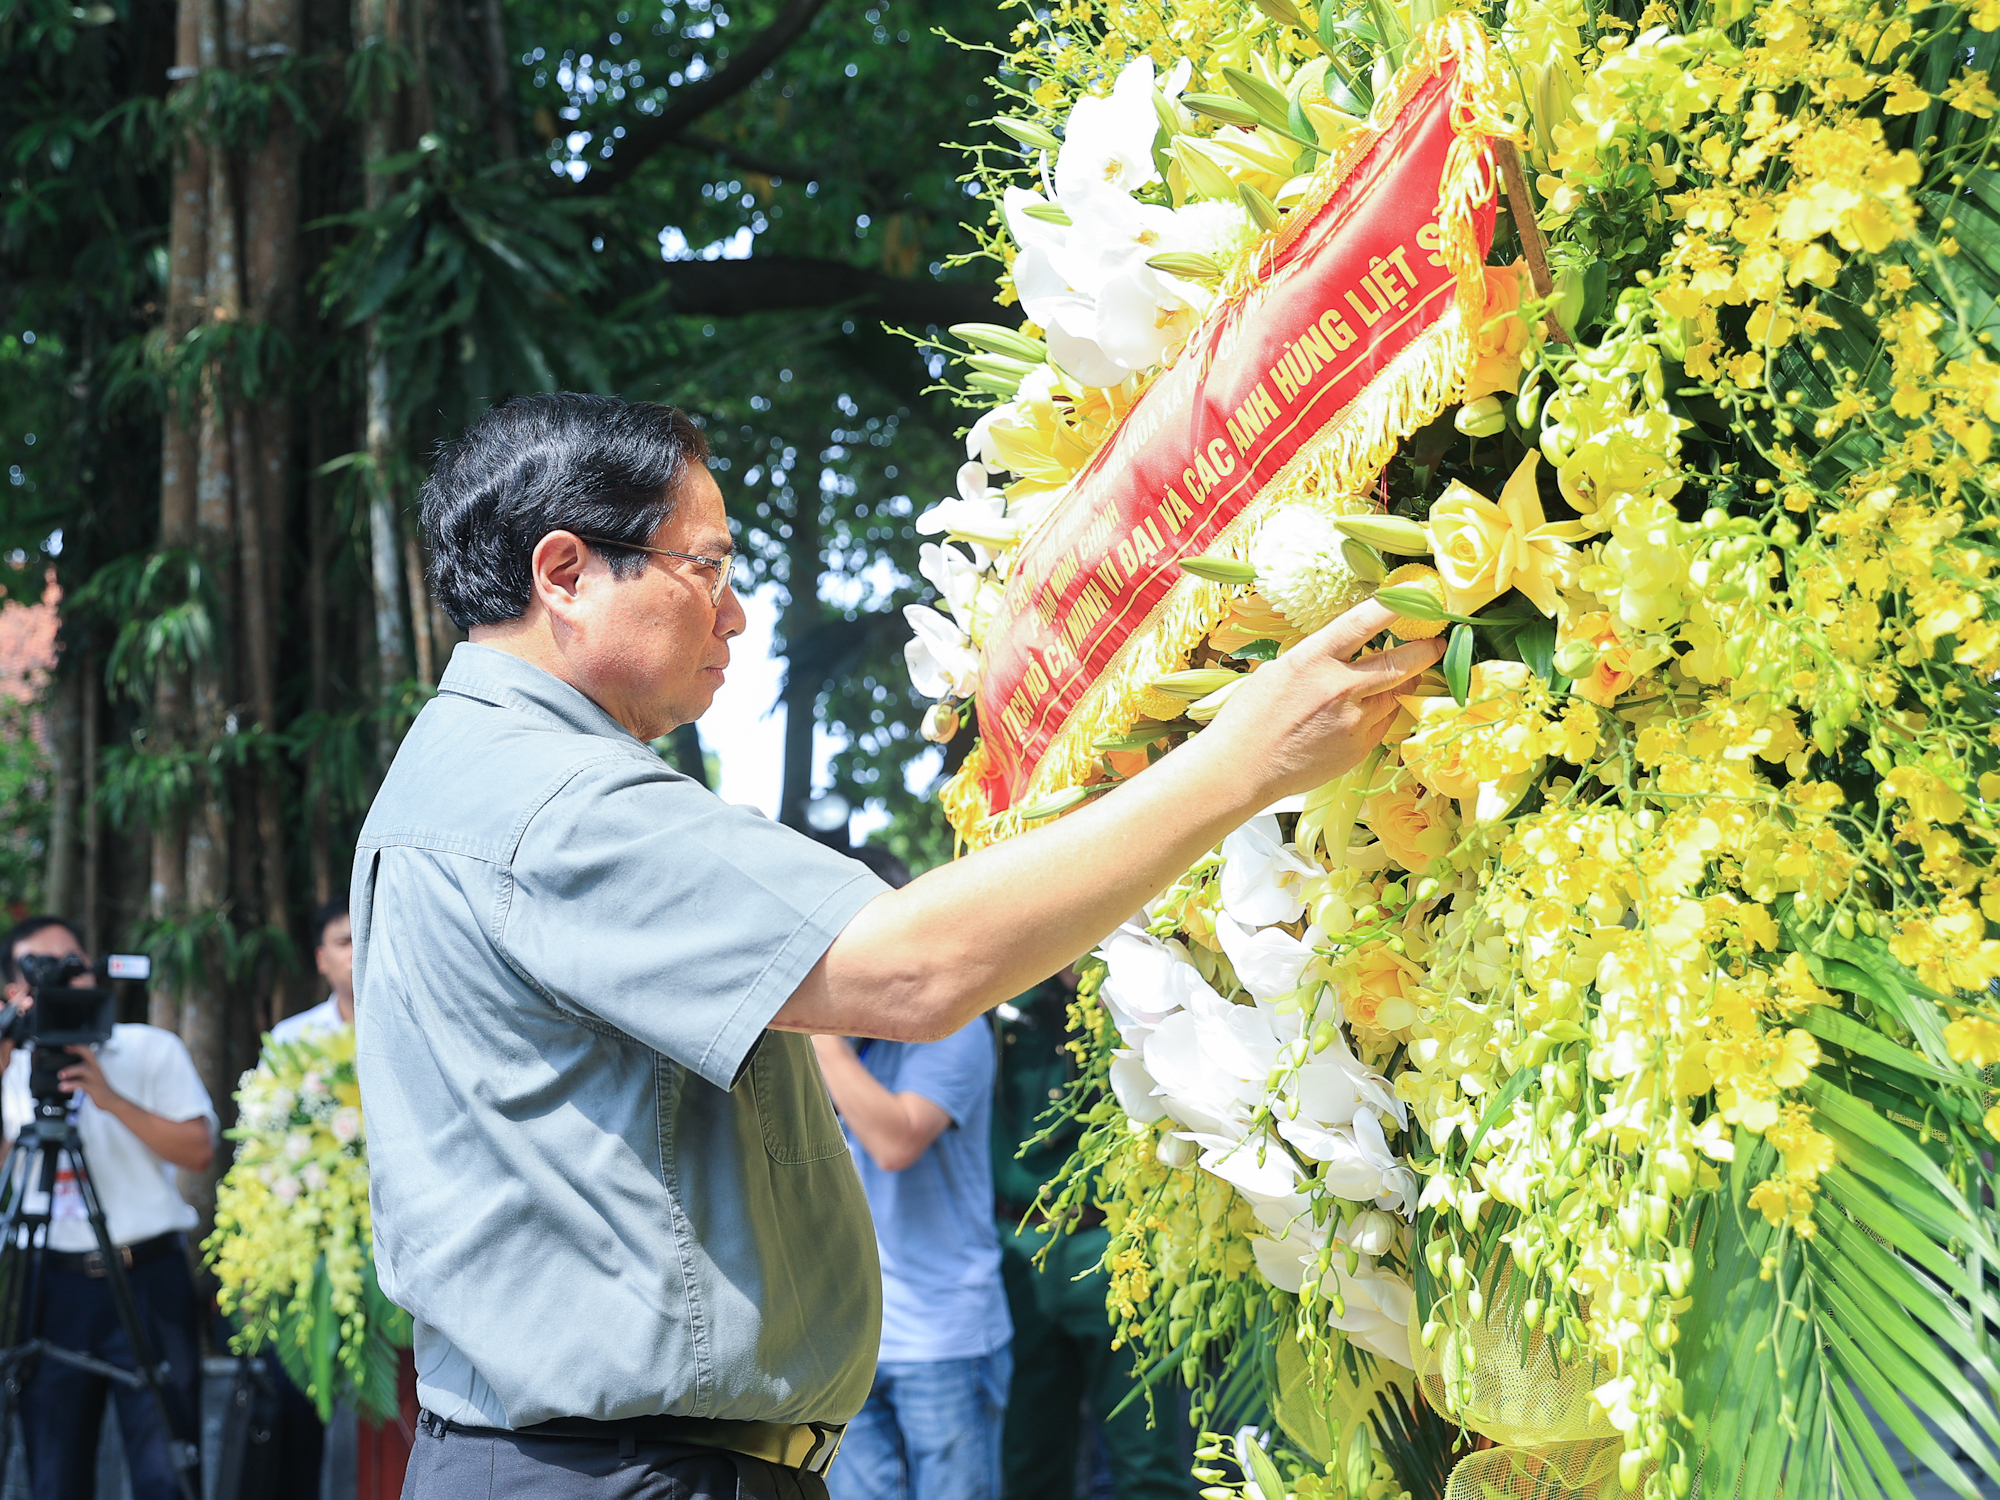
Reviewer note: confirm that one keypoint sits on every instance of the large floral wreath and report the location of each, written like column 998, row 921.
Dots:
column 1595, row 1079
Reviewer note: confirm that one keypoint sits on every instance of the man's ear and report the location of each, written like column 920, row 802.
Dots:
column 555, row 568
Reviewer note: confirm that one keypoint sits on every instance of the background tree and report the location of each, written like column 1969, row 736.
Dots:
column 258, row 256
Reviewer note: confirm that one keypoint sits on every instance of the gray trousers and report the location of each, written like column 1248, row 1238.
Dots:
column 455, row 1465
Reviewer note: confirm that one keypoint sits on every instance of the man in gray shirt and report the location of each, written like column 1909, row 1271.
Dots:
column 608, row 1183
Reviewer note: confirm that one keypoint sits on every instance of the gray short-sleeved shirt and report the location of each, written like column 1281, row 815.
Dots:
column 600, row 1185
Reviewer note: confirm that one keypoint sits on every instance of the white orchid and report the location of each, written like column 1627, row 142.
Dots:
column 1134, row 1088
column 1195, row 1093
column 1106, row 312
column 955, row 576
column 1108, row 140
column 1256, row 1166
column 940, row 656
column 978, row 515
column 1269, row 963
column 1261, row 874
column 1146, row 980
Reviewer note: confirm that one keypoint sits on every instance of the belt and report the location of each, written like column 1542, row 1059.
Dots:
column 805, row 1445
column 91, row 1262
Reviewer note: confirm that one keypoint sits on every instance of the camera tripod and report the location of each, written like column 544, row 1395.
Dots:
column 29, row 1181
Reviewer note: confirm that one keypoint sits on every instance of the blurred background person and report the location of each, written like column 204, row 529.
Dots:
column 917, row 1116
column 1063, row 1359
column 143, row 1117
column 333, row 956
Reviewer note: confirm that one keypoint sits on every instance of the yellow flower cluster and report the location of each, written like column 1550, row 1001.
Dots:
column 292, row 1241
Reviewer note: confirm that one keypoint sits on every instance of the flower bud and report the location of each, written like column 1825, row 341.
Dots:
column 1575, row 658
column 1364, row 562
column 1175, row 1151
column 1393, row 534
column 1197, row 683
column 940, row 723
column 1481, row 418
column 1228, row 570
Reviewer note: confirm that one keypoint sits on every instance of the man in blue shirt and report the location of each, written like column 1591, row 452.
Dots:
column 919, row 1115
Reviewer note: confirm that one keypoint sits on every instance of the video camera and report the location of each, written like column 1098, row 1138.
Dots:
column 65, row 1014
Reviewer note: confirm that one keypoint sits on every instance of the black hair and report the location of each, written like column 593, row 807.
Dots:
column 535, row 464
column 333, row 909
column 26, row 928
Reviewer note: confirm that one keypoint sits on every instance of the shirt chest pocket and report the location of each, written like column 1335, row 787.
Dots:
column 797, row 1117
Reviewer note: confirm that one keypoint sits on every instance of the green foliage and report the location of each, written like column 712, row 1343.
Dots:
column 1888, row 1307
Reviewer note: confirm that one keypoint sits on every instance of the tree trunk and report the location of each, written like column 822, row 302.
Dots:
column 62, row 880
column 187, row 282
column 91, row 899
column 377, row 24
column 687, row 754
column 276, row 30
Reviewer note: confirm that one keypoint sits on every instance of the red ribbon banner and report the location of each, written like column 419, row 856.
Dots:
column 1349, row 288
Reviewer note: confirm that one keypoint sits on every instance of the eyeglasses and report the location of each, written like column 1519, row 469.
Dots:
column 720, row 565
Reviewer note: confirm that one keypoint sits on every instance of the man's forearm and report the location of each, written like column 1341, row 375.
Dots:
column 1003, row 919
column 919, row 963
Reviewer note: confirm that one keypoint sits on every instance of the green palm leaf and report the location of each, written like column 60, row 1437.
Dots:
column 1891, row 1307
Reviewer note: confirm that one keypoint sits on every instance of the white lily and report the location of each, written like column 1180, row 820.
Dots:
column 940, row 656
column 978, row 515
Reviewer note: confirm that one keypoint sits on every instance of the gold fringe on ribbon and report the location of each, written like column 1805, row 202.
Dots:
column 1336, row 468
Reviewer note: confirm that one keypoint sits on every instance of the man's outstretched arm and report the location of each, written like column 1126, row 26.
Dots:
column 918, row 963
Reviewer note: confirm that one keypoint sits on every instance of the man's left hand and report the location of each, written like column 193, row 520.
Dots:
column 87, row 1075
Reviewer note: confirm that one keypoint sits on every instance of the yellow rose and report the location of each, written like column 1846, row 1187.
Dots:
column 1379, row 989
column 1484, row 549
column 1414, row 827
column 1612, row 672
column 1502, row 335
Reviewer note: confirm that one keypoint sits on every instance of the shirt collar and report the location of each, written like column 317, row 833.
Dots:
column 506, row 681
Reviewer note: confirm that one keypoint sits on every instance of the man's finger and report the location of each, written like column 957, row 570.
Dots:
column 1345, row 634
column 1385, row 671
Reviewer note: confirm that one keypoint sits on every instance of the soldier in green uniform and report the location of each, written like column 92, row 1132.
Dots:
column 1062, row 1335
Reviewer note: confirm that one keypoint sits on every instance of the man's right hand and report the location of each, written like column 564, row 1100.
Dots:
column 1316, row 711
column 918, row 963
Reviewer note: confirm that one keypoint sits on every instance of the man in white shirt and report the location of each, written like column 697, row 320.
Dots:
column 143, row 1116
column 333, row 956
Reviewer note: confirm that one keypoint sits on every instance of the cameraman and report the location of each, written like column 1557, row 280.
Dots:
column 142, row 1114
